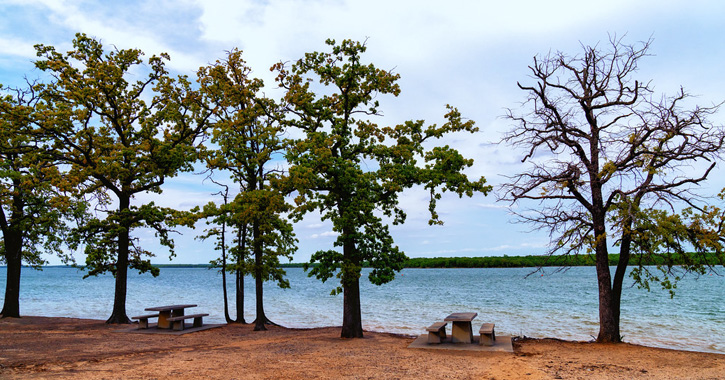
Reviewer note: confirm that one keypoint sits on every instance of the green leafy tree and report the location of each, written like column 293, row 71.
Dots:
column 123, row 137
column 610, row 162
column 220, row 219
column 36, row 203
column 352, row 171
column 668, row 245
column 248, row 137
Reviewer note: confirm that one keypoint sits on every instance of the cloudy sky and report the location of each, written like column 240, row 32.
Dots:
column 469, row 54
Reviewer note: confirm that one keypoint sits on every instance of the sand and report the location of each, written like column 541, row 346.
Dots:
column 65, row 348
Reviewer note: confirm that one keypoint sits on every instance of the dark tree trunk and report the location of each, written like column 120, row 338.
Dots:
column 13, row 242
column 119, row 300
column 261, row 318
column 624, row 255
column 240, row 296
column 242, row 238
column 13, row 257
column 351, row 316
column 608, row 302
column 227, row 317
column 224, row 278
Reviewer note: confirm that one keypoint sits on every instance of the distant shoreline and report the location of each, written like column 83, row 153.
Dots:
column 530, row 261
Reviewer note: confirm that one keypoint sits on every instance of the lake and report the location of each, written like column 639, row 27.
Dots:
column 559, row 304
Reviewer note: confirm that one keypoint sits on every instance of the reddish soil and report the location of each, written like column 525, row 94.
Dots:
column 64, row 348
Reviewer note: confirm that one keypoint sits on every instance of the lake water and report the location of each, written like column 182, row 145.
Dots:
column 557, row 304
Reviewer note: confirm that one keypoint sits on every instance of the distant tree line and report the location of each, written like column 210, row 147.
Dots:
column 505, row 261
column 537, row 261
column 531, row 261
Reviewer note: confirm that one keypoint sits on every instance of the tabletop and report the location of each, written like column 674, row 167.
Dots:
column 167, row 308
column 461, row 317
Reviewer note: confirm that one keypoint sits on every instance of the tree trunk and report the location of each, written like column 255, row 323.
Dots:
column 224, row 277
column 13, row 257
column 240, row 296
column 624, row 255
column 119, row 300
column 261, row 319
column 351, row 316
column 13, row 244
column 608, row 303
column 610, row 289
column 241, row 241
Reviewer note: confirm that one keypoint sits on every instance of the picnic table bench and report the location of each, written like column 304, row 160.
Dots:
column 436, row 332
column 143, row 320
column 177, row 323
column 488, row 336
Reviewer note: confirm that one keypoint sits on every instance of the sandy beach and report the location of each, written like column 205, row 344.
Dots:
column 66, row 348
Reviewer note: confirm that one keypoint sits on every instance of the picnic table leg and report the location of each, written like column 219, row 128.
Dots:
column 177, row 313
column 163, row 320
column 178, row 325
column 198, row 322
column 461, row 332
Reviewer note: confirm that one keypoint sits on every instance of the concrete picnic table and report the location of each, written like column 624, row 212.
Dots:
column 461, row 331
column 166, row 312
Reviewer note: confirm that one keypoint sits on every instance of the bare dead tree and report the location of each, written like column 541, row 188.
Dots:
column 605, row 152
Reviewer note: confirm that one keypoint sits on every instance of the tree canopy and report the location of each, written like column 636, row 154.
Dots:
column 610, row 162
column 352, row 171
column 122, row 138
column 36, row 203
column 248, row 135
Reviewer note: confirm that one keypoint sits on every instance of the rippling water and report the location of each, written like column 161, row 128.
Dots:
column 557, row 304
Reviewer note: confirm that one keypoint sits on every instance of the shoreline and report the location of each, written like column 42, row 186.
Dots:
column 59, row 347
column 561, row 305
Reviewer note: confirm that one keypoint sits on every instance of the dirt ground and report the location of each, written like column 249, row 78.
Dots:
column 65, row 348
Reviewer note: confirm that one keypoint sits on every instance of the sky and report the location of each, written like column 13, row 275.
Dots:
column 469, row 54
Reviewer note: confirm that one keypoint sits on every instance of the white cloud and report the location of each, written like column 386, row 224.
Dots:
column 181, row 199
column 17, row 47
column 466, row 53
column 520, row 249
column 496, row 206
column 324, row 235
